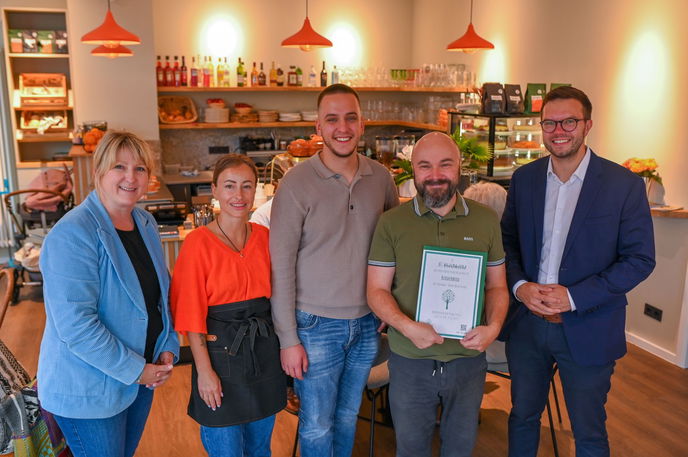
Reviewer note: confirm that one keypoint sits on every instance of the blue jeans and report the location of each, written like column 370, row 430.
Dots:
column 532, row 348
column 418, row 386
column 116, row 436
column 340, row 354
column 251, row 439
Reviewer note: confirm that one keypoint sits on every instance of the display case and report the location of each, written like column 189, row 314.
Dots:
column 512, row 140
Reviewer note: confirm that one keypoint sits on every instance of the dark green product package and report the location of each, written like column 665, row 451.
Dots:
column 535, row 95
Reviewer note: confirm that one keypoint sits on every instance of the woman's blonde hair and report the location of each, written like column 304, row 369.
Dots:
column 105, row 155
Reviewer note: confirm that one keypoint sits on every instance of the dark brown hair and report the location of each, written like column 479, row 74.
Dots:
column 232, row 161
column 337, row 89
column 566, row 93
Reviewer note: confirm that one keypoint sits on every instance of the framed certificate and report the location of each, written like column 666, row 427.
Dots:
column 452, row 290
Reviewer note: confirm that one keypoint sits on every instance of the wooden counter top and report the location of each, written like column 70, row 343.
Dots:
column 204, row 177
column 675, row 214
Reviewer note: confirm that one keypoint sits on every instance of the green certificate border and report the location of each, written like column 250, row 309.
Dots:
column 480, row 289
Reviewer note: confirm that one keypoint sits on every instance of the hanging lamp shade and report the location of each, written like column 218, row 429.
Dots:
column 110, row 34
column 470, row 41
column 112, row 53
column 306, row 39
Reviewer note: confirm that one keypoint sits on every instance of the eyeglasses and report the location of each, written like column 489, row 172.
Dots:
column 568, row 125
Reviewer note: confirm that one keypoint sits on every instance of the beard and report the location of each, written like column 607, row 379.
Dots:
column 439, row 197
column 342, row 155
column 572, row 150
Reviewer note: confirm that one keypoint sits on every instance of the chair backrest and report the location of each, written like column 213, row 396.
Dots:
column 6, row 291
column 383, row 351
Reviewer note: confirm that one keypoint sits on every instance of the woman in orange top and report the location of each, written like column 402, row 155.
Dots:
column 220, row 299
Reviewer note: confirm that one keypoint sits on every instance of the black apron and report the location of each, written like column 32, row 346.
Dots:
column 246, row 358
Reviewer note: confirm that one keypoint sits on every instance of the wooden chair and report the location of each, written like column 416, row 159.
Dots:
column 6, row 290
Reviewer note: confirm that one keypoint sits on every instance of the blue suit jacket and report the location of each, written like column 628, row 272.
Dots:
column 96, row 317
column 609, row 250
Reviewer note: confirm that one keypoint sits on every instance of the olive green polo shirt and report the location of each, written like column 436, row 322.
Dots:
column 398, row 242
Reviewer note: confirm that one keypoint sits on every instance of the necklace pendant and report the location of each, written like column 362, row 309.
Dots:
column 241, row 254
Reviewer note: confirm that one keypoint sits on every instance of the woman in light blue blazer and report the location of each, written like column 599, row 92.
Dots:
column 108, row 339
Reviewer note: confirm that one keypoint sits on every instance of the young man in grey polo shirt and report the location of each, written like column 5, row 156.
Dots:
column 323, row 219
column 425, row 369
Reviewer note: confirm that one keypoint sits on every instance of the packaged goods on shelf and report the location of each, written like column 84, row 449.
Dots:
column 42, row 89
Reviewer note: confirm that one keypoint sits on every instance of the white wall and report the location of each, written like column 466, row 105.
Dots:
column 629, row 56
column 120, row 91
column 254, row 30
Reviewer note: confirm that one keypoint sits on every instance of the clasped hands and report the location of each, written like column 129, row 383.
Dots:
column 155, row 374
column 423, row 335
column 547, row 299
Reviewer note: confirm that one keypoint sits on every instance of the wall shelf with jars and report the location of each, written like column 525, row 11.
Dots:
column 38, row 74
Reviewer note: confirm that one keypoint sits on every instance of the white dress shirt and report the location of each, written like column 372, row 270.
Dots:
column 561, row 199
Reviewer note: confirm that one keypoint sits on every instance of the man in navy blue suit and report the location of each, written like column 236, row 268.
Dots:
column 578, row 236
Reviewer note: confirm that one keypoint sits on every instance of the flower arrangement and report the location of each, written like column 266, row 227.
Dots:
column 645, row 168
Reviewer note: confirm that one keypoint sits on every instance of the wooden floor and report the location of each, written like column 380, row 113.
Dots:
column 647, row 408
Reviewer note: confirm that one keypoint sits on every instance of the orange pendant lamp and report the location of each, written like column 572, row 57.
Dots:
column 112, row 36
column 307, row 39
column 470, row 42
column 112, row 53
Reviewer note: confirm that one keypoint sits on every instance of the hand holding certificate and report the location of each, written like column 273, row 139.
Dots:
column 451, row 293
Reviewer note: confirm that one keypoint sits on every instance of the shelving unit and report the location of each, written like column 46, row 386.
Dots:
column 33, row 150
column 250, row 125
column 447, row 90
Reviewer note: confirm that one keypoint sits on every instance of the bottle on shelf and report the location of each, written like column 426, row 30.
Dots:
column 220, row 72
column 312, row 78
column 299, row 76
column 335, row 75
column 193, row 73
column 254, row 76
column 227, row 81
column 280, row 76
column 159, row 73
column 177, row 72
column 169, row 74
column 261, row 76
column 241, row 81
column 291, row 76
column 185, row 73
column 201, row 66
column 209, row 73
column 273, row 74
column 323, row 76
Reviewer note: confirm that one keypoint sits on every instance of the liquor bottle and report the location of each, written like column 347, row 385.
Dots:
column 177, row 72
column 240, row 74
column 169, row 75
column 261, row 76
column 185, row 75
column 201, row 66
column 291, row 76
column 159, row 73
column 208, row 73
column 323, row 76
column 335, row 75
column 312, row 78
column 299, row 76
column 220, row 72
column 194, row 73
column 273, row 75
column 228, row 79
column 254, row 76
column 280, row 76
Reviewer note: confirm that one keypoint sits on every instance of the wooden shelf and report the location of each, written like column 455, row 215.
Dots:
column 45, row 138
column 44, row 108
column 251, row 125
column 29, row 55
column 44, row 164
column 308, row 89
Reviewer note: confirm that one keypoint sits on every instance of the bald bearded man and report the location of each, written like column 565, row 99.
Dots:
column 427, row 370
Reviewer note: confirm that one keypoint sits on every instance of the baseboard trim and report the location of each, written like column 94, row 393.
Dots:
column 652, row 348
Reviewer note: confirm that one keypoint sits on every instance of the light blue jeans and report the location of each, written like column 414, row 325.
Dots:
column 115, row 436
column 340, row 354
column 251, row 439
